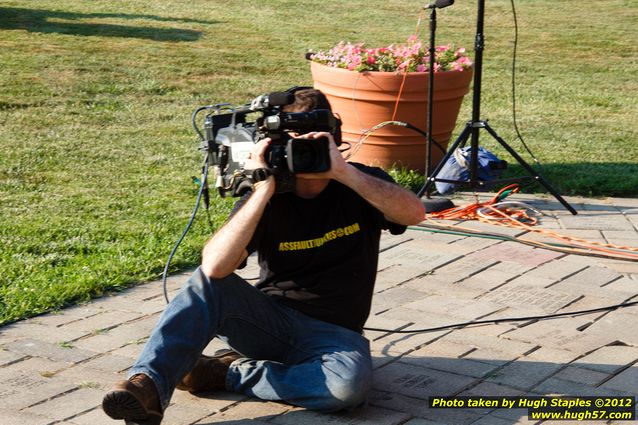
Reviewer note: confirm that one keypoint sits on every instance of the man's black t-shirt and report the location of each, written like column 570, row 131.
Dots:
column 319, row 256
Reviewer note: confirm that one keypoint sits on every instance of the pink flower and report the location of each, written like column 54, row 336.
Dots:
column 404, row 64
column 456, row 66
column 411, row 56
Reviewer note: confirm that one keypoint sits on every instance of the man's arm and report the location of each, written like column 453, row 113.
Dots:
column 397, row 204
column 226, row 249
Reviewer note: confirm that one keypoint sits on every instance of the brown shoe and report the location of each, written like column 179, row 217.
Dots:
column 209, row 373
column 135, row 400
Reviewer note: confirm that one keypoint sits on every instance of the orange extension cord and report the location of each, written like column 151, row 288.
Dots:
column 405, row 70
column 495, row 211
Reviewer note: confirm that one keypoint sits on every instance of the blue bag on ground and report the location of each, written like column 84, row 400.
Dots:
column 457, row 168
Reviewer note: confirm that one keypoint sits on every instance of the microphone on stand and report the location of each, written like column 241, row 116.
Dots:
column 432, row 204
column 439, row 4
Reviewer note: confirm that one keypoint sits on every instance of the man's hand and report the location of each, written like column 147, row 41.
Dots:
column 338, row 165
column 257, row 160
column 397, row 204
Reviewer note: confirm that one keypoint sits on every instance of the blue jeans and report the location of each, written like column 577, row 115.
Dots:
column 287, row 356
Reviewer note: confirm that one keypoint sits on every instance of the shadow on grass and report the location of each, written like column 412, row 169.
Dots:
column 50, row 21
column 613, row 179
column 585, row 179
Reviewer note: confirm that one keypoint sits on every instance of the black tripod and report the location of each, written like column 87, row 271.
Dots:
column 472, row 128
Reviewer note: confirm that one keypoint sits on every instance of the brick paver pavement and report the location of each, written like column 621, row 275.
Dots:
column 55, row 368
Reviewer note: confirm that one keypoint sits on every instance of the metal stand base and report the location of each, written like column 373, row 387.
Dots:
column 436, row 204
column 470, row 128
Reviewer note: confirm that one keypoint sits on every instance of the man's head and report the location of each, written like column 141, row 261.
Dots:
column 307, row 100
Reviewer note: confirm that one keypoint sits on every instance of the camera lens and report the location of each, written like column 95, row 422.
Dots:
column 308, row 155
column 304, row 157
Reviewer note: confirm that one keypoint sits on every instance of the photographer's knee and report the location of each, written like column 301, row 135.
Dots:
column 348, row 389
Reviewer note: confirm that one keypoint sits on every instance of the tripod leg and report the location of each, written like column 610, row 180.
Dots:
column 530, row 170
column 459, row 141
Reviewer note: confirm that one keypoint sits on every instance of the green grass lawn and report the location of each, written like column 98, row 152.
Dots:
column 97, row 154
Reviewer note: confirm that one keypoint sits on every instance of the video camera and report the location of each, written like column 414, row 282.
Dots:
column 230, row 133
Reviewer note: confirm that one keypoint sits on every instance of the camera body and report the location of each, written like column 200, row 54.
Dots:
column 231, row 132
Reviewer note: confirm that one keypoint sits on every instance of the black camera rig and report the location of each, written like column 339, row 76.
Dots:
column 231, row 131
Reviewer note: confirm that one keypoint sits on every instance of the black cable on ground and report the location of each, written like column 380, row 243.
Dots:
column 488, row 235
column 504, row 320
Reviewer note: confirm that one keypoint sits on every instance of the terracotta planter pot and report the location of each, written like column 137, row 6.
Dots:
column 365, row 99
